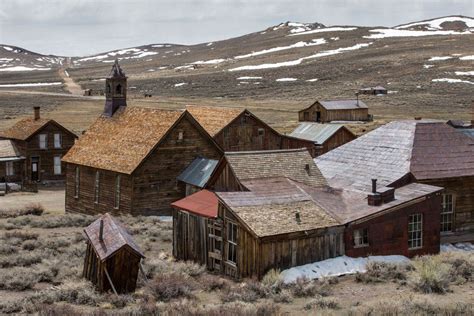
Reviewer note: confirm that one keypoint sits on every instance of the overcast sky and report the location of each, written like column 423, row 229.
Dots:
column 81, row 27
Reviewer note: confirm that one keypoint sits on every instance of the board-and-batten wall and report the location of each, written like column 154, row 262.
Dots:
column 310, row 114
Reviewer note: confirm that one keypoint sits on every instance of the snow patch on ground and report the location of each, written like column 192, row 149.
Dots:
column 461, row 246
column 314, row 42
column 180, row 84
column 312, row 80
column 286, row 79
column 384, row 33
column 464, row 73
column 436, row 23
column 22, row 68
column 327, row 29
column 300, row 60
column 35, row 84
column 452, row 80
column 438, row 58
column 428, row 66
column 471, row 57
column 249, row 78
column 209, row 44
column 209, row 62
column 336, row 267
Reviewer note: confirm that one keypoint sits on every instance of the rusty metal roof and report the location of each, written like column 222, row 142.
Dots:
column 425, row 149
column 198, row 171
column 288, row 163
column 202, row 203
column 115, row 236
column 213, row 118
column 316, row 132
column 120, row 143
column 343, row 104
column 8, row 151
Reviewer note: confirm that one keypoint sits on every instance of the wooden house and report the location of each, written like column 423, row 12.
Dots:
column 43, row 142
column 112, row 259
column 12, row 163
column 377, row 90
column 338, row 110
column 240, row 130
column 412, row 151
column 276, row 217
column 129, row 158
column 326, row 137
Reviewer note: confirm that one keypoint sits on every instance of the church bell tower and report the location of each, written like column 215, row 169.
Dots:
column 115, row 90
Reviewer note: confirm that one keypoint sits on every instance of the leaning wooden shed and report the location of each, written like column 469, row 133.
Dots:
column 112, row 258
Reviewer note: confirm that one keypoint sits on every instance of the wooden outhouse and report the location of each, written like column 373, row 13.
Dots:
column 112, row 260
column 43, row 142
column 337, row 110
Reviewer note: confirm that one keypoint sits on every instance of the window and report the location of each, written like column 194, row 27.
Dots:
column 117, row 192
column 76, row 182
column 415, row 231
column 361, row 237
column 232, row 242
column 118, row 89
column 57, row 140
column 180, row 135
column 261, row 132
column 43, row 141
column 57, row 165
column 447, row 213
column 9, row 168
column 96, row 187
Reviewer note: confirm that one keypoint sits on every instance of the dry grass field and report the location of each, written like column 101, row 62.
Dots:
column 41, row 261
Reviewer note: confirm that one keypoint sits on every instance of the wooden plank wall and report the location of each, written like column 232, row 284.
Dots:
column 190, row 237
column 341, row 137
column 224, row 180
column 334, row 115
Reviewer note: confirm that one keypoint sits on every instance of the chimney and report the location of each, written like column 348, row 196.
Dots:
column 374, row 198
column 36, row 112
column 374, row 185
column 101, row 230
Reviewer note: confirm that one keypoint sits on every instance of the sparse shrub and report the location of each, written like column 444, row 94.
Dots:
column 20, row 235
column 10, row 308
column 67, row 220
column 249, row 291
column 73, row 292
column 31, row 244
column 306, row 288
column 33, row 209
column 284, row 296
column 323, row 303
column 119, row 301
column 430, row 275
column 165, row 287
column 272, row 278
column 23, row 260
column 8, row 249
column 382, row 272
column 210, row 282
column 461, row 266
column 17, row 279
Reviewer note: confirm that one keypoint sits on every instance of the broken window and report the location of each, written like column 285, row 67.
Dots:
column 57, row 165
column 57, row 140
column 361, row 237
column 232, row 242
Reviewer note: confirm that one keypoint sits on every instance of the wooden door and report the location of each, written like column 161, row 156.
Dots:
column 35, row 168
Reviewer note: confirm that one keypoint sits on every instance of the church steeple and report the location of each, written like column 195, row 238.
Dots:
column 115, row 90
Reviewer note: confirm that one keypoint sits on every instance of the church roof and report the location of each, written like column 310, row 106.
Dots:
column 116, row 71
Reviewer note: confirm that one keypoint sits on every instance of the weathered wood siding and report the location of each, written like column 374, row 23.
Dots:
column 190, row 237
column 154, row 182
column 462, row 189
column 388, row 233
column 295, row 143
column 85, row 202
column 310, row 114
column 224, row 179
column 341, row 137
column 18, row 171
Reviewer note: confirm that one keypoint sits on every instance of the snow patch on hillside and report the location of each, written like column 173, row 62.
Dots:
column 286, row 79
column 452, row 80
column 464, row 73
column 471, row 57
column 386, row 33
column 249, row 78
column 35, row 84
column 436, row 23
column 438, row 58
column 22, row 68
column 327, row 29
column 314, row 42
column 180, row 84
column 209, row 62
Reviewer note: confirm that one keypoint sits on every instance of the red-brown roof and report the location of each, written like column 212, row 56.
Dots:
column 24, row 128
column 115, row 236
column 202, row 203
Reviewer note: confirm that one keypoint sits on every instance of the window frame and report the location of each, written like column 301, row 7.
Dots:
column 97, row 187
column 57, row 166
column 446, row 219
column 60, row 141
column 117, row 192
column 180, row 136
column 415, row 234
column 231, row 242
column 362, row 240
column 77, row 179
column 45, row 141
column 9, row 168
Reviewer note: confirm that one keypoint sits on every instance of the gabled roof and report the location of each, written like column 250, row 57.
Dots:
column 316, row 132
column 25, row 128
column 202, row 203
column 198, row 171
column 343, row 104
column 116, row 71
column 8, row 151
column 213, row 118
column 425, row 149
column 280, row 208
column 115, row 236
column 289, row 163
column 120, row 143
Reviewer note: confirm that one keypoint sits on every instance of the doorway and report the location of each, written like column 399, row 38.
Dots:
column 34, row 168
column 318, row 116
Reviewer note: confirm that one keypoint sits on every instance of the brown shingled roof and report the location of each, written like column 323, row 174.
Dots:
column 24, row 128
column 115, row 236
column 213, row 118
column 8, row 151
column 120, row 143
column 288, row 163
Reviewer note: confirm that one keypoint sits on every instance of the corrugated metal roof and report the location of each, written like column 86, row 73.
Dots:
column 202, row 203
column 318, row 133
column 468, row 132
column 343, row 105
column 198, row 172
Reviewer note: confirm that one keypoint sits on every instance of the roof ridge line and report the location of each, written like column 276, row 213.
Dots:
column 233, row 153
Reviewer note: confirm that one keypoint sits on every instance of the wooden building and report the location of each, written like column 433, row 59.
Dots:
column 194, row 178
column 240, row 130
column 377, row 90
column 273, row 216
column 412, row 151
column 112, row 259
column 12, row 164
column 43, row 142
column 338, row 110
column 326, row 137
column 129, row 158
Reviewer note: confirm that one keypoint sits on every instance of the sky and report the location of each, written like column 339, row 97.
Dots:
column 83, row 27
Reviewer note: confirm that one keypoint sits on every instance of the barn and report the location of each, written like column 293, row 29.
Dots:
column 43, row 142
column 417, row 151
column 240, row 130
column 273, row 216
column 129, row 158
column 112, row 259
column 336, row 110
column 325, row 136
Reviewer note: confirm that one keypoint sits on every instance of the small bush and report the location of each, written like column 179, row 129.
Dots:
column 67, row 220
column 431, row 275
column 72, row 292
column 23, row 260
column 382, row 272
column 306, row 288
column 169, row 286
column 8, row 249
column 210, row 282
column 17, row 280
column 31, row 245
column 284, row 296
column 33, row 209
column 20, row 235
column 323, row 303
column 272, row 278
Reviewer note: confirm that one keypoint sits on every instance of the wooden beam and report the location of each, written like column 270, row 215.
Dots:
column 110, row 280
column 143, row 272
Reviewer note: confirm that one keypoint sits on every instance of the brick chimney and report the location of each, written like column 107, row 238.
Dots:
column 36, row 110
column 374, row 198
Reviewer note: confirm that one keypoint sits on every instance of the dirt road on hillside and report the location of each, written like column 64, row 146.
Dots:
column 70, row 84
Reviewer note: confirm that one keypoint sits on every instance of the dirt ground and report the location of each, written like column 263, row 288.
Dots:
column 52, row 199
